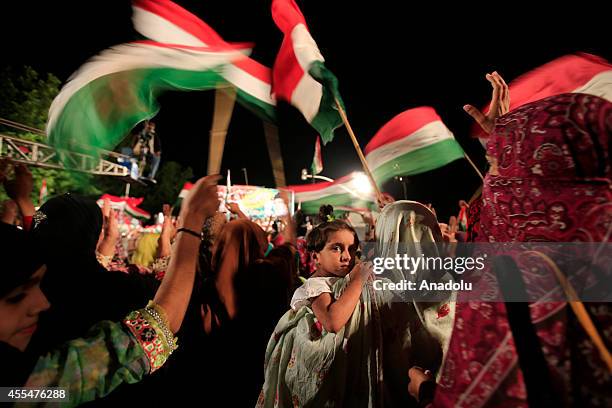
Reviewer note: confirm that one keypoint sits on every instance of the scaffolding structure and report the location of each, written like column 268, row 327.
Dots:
column 42, row 155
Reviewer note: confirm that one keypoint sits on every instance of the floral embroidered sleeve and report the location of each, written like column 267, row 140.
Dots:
column 112, row 354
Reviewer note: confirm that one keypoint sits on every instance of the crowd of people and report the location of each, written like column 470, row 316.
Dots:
column 231, row 314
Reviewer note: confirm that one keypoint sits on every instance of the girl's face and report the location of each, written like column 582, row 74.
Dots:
column 338, row 256
column 19, row 311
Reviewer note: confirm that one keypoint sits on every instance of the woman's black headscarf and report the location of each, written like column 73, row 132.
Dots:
column 80, row 290
column 69, row 227
column 20, row 259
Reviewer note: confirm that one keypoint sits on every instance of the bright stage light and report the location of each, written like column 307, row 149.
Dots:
column 361, row 183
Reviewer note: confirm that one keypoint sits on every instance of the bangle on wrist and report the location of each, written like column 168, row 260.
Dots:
column 190, row 232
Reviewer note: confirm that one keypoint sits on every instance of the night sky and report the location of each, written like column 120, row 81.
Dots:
column 388, row 56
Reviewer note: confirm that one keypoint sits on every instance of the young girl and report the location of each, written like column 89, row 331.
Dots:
column 333, row 246
column 327, row 350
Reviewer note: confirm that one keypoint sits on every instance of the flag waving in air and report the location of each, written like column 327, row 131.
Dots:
column 347, row 191
column 317, row 160
column 299, row 75
column 413, row 142
column 42, row 196
column 574, row 73
column 167, row 22
column 118, row 88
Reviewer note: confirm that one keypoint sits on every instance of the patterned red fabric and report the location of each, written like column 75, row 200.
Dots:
column 554, row 185
column 473, row 216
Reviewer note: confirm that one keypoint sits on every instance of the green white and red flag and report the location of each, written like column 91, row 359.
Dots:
column 167, row 22
column 317, row 160
column 574, row 73
column 118, row 88
column 343, row 192
column 42, row 196
column 299, row 75
column 413, row 142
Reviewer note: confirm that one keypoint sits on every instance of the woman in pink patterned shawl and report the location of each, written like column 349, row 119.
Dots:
column 550, row 180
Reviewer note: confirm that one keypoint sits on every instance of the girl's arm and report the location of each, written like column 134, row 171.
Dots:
column 334, row 314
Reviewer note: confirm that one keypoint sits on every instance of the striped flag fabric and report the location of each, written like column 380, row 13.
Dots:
column 317, row 160
column 185, row 190
column 182, row 194
column 299, row 75
column 343, row 192
column 574, row 73
column 127, row 204
column 42, row 196
column 118, row 88
column 413, row 142
column 462, row 218
column 167, row 22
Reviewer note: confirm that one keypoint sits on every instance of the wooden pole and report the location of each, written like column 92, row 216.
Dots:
column 579, row 310
column 224, row 106
column 358, row 149
column 476, row 194
column 276, row 157
column 473, row 165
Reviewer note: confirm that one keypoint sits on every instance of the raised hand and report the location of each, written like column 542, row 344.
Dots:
column 20, row 188
column 202, row 202
column 168, row 229
column 110, row 233
column 9, row 212
column 500, row 104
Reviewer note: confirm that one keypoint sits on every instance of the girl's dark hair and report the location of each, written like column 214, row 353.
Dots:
column 317, row 238
column 21, row 258
column 326, row 213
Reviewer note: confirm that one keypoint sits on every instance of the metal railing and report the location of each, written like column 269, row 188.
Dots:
column 42, row 155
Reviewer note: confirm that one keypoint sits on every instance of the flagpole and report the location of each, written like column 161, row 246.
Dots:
column 473, row 165
column 475, row 195
column 364, row 163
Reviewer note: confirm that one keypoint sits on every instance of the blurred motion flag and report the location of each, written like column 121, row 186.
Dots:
column 462, row 218
column 185, row 190
column 127, row 204
column 413, row 142
column 343, row 192
column 317, row 161
column 575, row 73
column 118, row 88
column 167, row 22
column 42, row 196
column 299, row 76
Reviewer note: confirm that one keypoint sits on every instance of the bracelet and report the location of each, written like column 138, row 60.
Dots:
column 159, row 315
column 104, row 260
column 149, row 326
column 191, row 232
